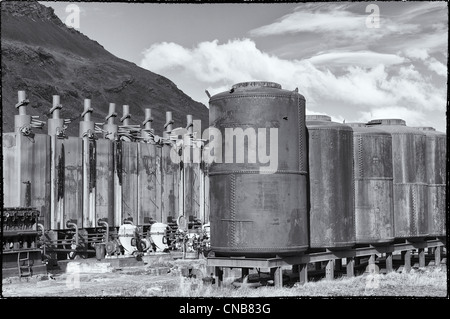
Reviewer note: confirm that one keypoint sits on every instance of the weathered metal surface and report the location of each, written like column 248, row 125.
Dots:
column 118, row 220
column 374, row 205
column 436, row 154
column 409, row 172
column 10, row 171
column 26, row 172
column 104, row 181
column 148, row 203
column 68, row 182
column 192, row 184
column 170, row 177
column 254, row 213
column 130, row 181
column 331, row 184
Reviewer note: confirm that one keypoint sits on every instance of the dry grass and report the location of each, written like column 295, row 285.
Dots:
column 430, row 282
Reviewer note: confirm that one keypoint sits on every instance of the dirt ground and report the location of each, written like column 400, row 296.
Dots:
column 163, row 276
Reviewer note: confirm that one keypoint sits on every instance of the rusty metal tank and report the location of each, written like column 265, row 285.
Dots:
column 258, row 202
column 409, row 173
column 435, row 156
column 372, row 170
column 331, row 183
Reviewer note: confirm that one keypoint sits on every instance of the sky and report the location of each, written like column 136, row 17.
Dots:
column 354, row 61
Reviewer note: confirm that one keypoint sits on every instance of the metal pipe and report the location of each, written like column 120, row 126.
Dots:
column 87, row 124
column 22, row 102
column 126, row 115
column 190, row 125
column 55, row 123
column 73, row 225
column 102, row 222
column 56, row 107
column 168, row 126
column 148, row 119
column 22, row 121
column 111, row 114
column 87, row 110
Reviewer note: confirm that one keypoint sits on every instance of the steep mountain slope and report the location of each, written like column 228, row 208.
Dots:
column 42, row 56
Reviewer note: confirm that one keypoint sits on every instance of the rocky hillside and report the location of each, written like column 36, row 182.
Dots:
column 44, row 57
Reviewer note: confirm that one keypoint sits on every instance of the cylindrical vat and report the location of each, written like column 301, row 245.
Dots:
column 331, row 183
column 258, row 202
column 372, row 169
column 435, row 156
column 409, row 172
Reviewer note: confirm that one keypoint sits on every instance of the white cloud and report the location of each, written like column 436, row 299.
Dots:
column 436, row 66
column 358, row 58
column 360, row 89
column 335, row 21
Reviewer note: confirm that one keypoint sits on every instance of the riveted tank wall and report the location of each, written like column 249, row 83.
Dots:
column 372, row 169
column 258, row 202
column 436, row 154
column 409, row 172
column 26, row 172
column 331, row 183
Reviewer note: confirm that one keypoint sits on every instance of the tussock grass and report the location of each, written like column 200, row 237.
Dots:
column 418, row 283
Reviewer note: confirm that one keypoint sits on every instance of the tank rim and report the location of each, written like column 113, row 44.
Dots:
column 256, row 84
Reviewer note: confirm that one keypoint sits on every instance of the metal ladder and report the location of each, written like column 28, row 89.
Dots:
column 24, row 265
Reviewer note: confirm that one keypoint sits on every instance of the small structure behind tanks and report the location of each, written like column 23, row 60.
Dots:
column 436, row 152
column 409, row 172
column 372, row 169
column 330, row 183
column 258, row 202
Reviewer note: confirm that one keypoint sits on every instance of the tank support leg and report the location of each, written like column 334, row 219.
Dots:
column 421, row 257
column 218, row 273
column 278, row 277
column 406, row 256
column 389, row 267
column 437, row 256
column 329, row 270
column 350, row 267
column 303, row 273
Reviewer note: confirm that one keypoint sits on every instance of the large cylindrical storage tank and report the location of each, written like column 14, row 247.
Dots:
column 330, row 153
column 435, row 156
column 258, row 195
column 373, row 175
column 409, row 172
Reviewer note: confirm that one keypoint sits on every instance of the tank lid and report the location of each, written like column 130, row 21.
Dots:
column 387, row 122
column 426, row 128
column 256, row 84
column 318, row 117
column 357, row 124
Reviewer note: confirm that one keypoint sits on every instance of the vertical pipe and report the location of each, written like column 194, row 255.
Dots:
column 22, row 119
column 111, row 128
column 55, row 121
column 21, row 96
column 168, row 125
column 56, row 102
column 88, row 151
column 126, row 115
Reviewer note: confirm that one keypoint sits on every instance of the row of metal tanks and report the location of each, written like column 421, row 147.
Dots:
column 112, row 174
column 335, row 185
